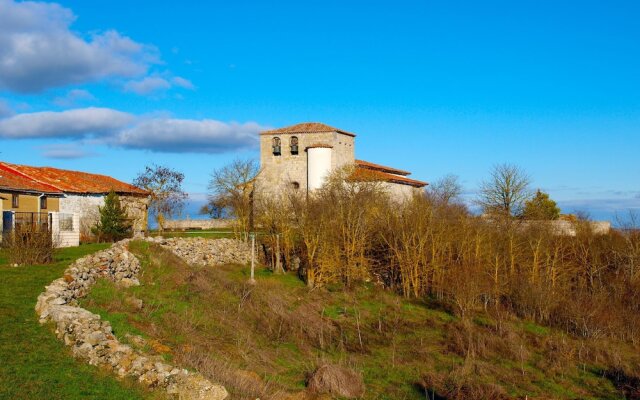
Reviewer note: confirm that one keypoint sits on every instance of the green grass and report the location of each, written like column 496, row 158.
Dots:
column 33, row 363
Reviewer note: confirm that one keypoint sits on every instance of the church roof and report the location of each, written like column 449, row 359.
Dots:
column 307, row 127
column 381, row 168
column 377, row 175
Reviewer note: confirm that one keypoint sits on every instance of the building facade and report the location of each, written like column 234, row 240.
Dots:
column 72, row 192
column 302, row 156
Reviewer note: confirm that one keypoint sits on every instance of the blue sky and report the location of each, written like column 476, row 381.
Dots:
column 432, row 87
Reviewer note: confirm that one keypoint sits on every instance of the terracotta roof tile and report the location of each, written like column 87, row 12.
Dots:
column 15, row 181
column 307, row 127
column 376, row 175
column 382, row 168
column 74, row 181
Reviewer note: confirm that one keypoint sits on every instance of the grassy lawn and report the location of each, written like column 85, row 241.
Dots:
column 33, row 363
column 277, row 331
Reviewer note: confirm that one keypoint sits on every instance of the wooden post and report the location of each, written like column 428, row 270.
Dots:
column 253, row 258
column 278, row 263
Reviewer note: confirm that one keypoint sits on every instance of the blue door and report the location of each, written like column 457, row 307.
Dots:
column 7, row 221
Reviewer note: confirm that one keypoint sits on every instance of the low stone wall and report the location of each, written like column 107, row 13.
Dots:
column 209, row 252
column 93, row 340
column 204, row 224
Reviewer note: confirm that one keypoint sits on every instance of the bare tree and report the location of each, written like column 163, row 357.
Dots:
column 506, row 191
column 445, row 190
column 232, row 187
column 165, row 187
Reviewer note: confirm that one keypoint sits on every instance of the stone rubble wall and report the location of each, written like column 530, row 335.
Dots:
column 207, row 252
column 195, row 224
column 93, row 340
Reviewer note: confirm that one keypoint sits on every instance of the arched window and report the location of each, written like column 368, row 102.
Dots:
column 294, row 145
column 295, row 185
column 276, row 146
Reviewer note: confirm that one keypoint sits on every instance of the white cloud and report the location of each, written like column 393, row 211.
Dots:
column 147, row 85
column 66, row 151
column 154, row 84
column 189, row 136
column 39, row 51
column 73, row 97
column 77, row 123
column 183, row 83
column 157, row 133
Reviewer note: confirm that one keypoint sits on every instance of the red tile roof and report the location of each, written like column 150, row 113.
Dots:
column 382, row 168
column 73, row 181
column 307, row 127
column 377, row 175
column 14, row 181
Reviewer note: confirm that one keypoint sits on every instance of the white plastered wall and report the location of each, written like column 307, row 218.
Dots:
column 67, row 233
column 86, row 207
column 318, row 166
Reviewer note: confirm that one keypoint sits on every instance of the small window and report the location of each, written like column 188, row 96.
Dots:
column 43, row 202
column 66, row 222
column 294, row 145
column 15, row 201
column 277, row 149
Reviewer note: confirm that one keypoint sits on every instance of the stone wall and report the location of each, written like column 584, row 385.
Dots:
column 87, row 206
column 568, row 228
column 93, row 340
column 138, row 210
column 209, row 252
column 401, row 192
column 206, row 224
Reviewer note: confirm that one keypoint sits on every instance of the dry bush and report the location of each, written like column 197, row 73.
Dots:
column 336, row 381
column 459, row 385
column 27, row 245
column 429, row 247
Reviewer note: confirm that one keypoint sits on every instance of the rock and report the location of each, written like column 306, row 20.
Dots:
column 128, row 282
column 94, row 338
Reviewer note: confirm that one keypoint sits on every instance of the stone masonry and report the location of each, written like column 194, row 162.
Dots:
column 207, row 252
column 93, row 340
column 278, row 172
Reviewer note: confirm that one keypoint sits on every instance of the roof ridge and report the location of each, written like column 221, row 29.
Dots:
column 306, row 127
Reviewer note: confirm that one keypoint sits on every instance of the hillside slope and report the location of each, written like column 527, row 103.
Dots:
column 263, row 340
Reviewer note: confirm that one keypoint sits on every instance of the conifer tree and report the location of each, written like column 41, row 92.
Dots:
column 114, row 223
column 541, row 207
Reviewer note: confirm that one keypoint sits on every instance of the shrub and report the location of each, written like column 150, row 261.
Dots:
column 114, row 224
column 29, row 245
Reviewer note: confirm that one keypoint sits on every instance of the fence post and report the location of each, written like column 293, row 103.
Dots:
column 253, row 258
column 278, row 262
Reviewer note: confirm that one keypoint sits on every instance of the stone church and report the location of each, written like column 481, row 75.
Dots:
column 301, row 157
